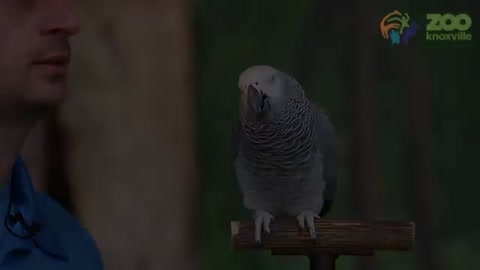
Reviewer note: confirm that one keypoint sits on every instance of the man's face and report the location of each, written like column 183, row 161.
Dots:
column 34, row 52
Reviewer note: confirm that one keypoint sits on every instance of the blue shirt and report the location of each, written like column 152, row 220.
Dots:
column 36, row 233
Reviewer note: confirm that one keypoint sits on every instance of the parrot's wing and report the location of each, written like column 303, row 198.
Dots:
column 237, row 142
column 326, row 140
column 236, row 139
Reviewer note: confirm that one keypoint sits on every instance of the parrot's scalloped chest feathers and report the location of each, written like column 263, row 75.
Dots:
column 284, row 156
column 281, row 162
column 284, row 147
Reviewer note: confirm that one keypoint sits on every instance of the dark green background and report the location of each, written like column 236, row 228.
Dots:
column 336, row 51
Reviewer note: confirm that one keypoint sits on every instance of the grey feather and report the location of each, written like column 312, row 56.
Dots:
column 326, row 137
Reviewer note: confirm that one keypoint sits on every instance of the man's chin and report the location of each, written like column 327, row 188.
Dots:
column 45, row 97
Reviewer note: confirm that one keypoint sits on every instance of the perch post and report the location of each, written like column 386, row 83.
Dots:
column 334, row 238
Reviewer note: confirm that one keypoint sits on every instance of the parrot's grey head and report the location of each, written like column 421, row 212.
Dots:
column 264, row 91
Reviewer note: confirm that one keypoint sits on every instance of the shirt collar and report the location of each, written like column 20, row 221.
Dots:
column 23, row 224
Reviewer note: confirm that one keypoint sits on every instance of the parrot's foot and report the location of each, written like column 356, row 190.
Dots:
column 307, row 216
column 262, row 218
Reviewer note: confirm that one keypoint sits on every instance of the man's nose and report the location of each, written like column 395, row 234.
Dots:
column 59, row 18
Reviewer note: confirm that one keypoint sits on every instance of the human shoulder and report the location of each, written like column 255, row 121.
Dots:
column 75, row 238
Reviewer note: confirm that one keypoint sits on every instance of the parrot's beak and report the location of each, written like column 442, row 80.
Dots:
column 255, row 100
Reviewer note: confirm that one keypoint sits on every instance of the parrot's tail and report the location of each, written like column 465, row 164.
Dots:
column 327, row 205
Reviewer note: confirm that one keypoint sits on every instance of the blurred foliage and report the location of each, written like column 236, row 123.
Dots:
column 231, row 36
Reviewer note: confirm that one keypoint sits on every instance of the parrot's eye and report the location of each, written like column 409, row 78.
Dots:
column 272, row 79
column 256, row 83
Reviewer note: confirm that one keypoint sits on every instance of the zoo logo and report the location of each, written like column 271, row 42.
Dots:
column 448, row 23
column 397, row 27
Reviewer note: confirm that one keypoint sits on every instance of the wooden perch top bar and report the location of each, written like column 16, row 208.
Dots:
column 340, row 237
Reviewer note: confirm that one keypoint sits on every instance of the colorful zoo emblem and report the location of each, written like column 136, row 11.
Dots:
column 398, row 28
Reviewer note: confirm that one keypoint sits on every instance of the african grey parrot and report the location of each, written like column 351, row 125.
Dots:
column 284, row 155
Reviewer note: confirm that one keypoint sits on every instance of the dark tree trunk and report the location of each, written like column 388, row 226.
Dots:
column 130, row 128
column 364, row 169
column 312, row 40
column 418, row 111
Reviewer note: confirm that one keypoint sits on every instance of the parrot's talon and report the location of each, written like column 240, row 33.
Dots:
column 301, row 223
column 313, row 235
column 262, row 218
column 307, row 216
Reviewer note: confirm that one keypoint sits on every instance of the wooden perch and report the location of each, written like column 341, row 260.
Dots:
column 335, row 237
